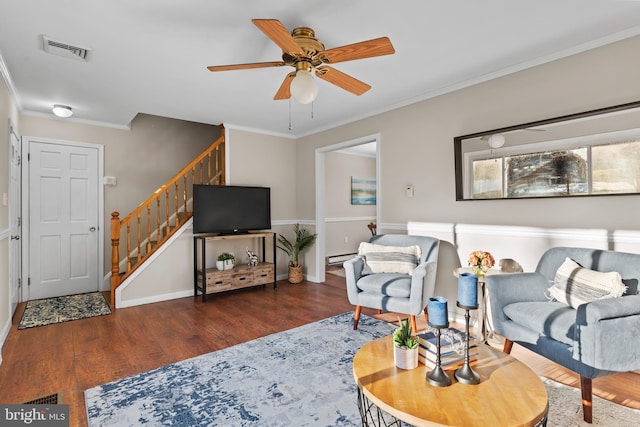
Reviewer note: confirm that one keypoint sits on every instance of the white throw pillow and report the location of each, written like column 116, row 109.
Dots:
column 575, row 285
column 389, row 259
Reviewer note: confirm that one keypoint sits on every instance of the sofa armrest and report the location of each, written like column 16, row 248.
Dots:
column 423, row 283
column 607, row 333
column 505, row 289
column 353, row 273
column 608, row 308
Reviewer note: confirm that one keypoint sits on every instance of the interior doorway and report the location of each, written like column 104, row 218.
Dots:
column 322, row 192
column 64, row 215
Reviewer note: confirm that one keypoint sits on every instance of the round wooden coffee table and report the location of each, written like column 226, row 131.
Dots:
column 509, row 393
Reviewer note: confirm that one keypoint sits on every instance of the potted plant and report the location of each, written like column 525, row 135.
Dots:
column 225, row 261
column 303, row 240
column 405, row 347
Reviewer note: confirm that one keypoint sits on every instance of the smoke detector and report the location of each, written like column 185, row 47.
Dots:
column 64, row 49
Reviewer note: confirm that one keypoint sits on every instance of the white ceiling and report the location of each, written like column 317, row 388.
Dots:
column 150, row 56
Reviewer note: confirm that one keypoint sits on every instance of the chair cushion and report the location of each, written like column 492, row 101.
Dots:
column 389, row 259
column 575, row 285
column 554, row 319
column 387, row 284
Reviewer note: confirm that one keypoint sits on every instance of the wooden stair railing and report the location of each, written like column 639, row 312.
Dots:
column 138, row 235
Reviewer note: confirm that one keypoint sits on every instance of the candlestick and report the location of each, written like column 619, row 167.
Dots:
column 465, row 374
column 468, row 290
column 438, row 312
column 438, row 377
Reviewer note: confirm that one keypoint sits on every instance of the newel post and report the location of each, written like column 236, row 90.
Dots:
column 115, row 256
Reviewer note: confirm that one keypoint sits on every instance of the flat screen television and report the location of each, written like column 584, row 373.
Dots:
column 228, row 209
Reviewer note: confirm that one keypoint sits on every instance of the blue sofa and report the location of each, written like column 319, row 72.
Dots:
column 397, row 292
column 595, row 339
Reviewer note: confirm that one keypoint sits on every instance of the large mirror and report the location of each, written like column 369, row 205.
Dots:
column 591, row 153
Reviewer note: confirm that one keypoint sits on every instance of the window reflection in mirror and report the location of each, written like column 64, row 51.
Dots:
column 591, row 153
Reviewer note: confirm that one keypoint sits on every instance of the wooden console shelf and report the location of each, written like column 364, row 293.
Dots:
column 211, row 280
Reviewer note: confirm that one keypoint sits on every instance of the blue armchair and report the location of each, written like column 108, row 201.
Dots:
column 594, row 339
column 391, row 291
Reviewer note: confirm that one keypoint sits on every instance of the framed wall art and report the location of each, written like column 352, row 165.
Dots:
column 363, row 191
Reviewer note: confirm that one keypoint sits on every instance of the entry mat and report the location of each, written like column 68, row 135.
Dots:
column 48, row 311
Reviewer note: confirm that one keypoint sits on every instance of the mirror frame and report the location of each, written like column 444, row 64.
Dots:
column 457, row 143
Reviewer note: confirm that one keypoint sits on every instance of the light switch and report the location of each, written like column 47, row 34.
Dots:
column 409, row 191
column 110, row 180
column 5, row 199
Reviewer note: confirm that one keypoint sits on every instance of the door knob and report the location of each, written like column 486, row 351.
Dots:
column 15, row 237
column 92, row 229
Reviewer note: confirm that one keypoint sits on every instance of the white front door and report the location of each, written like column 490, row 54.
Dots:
column 15, row 246
column 63, row 219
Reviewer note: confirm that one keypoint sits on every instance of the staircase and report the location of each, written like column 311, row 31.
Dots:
column 139, row 234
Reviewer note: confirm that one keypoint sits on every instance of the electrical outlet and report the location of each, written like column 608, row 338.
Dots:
column 346, row 239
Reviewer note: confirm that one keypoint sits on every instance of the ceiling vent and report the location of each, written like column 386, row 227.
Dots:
column 64, row 49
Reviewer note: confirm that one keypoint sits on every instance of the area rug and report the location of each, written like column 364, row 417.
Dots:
column 565, row 409
column 300, row 377
column 48, row 311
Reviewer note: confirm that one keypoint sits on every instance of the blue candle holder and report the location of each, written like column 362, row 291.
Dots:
column 468, row 290
column 437, row 312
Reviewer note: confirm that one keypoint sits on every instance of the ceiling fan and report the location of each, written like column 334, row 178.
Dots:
column 307, row 55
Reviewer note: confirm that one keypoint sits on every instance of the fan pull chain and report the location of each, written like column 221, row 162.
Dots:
column 312, row 110
column 289, row 114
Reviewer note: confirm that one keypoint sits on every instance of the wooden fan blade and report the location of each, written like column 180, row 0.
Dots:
column 361, row 50
column 245, row 66
column 285, row 88
column 342, row 80
column 279, row 35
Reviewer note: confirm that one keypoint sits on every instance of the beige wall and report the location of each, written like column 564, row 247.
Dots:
column 141, row 159
column 346, row 223
column 8, row 111
column 416, row 144
column 416, row 147
column 253, row 159
column 267, row 161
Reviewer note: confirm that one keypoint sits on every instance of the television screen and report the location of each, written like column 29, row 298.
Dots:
column 230, row 209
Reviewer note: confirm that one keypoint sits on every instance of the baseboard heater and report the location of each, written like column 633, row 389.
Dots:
column 339, row 259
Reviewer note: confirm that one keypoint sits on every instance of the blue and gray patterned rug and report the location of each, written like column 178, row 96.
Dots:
column 47, row 311
column 300, row 377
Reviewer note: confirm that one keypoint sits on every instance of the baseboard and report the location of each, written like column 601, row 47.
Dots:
column 3, row 336
column 339, row 259
column 154, row 298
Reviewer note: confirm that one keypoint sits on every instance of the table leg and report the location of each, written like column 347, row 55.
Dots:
column 372, row 416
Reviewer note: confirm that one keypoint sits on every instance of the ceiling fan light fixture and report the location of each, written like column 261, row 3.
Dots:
column 62, row 110
column 303, row 87
column 496, row 140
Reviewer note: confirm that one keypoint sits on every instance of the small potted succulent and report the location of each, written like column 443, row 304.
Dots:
column 405, row 347
column 225, row 261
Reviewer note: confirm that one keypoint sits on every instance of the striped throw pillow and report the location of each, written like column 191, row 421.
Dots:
column 575, row 285
column 389, row 259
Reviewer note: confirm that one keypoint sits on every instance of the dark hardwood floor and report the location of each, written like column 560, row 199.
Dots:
column 74, row 356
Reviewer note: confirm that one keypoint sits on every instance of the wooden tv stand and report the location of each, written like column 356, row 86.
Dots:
column 211, row 280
